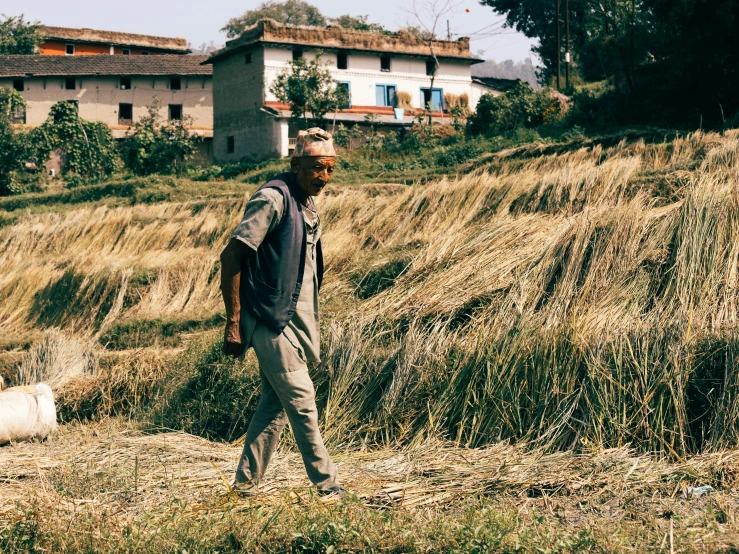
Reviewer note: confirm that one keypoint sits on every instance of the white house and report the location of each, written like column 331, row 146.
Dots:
column 249, row 121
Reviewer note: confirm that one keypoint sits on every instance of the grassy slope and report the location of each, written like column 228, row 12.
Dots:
column 574, row 297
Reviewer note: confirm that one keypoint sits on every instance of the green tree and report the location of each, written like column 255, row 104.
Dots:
column 607, row 36
column 18, row 36
column 293, row 12
column 357, row 23
column 156, row 146
column 673, row 61
column 308, row 86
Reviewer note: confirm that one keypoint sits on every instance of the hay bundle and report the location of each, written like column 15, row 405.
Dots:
column 27, row 413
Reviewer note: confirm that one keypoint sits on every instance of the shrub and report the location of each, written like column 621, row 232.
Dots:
column 89, row 148
column 157, row 147
column 460, row 153
column 521, row 107
column 14, row 146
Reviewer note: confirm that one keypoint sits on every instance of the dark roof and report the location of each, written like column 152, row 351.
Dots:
column 503, row 85
column 114, row 37
column 332, row 38
column 163, row 64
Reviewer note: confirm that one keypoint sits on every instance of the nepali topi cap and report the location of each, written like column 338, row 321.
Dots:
column 314, row 142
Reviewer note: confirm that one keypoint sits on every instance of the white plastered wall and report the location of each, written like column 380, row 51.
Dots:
column 363, row 74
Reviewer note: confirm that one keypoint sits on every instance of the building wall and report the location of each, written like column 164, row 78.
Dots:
column 99, row 97
column 59, row 48
column 478, row 90
column 364, row 73
column 238, row 99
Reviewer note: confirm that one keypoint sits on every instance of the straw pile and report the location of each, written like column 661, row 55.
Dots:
column 584, row 297
column 120, row 470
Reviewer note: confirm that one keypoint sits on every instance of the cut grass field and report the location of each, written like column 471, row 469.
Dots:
column 572, row 305
column 108, row 487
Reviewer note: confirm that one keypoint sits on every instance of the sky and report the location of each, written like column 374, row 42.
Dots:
column 199, row 21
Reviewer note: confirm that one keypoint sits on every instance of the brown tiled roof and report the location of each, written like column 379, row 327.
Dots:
column 114, row 37
column 268, row 31
column 165, row 64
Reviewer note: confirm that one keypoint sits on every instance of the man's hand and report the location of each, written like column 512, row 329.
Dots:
column 232, row 259
column 233, row 343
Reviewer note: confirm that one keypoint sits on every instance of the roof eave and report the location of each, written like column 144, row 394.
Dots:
column 245, row 46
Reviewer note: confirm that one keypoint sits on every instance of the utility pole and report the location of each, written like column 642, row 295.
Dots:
column 567, row 43
column 559, row 49
column 448, row 31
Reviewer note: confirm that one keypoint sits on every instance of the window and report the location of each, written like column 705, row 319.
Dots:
column 347, row 88
column 126, row 52
column 386, row 95
column 430, row 67
column 385, row 63
column 70, row 83
column 125, row 83
column 297, row 54
column 175, row 112
column 19, row 114
column 342, row 60
column 175, row 83
column 434, row 97
column 18, row 85
column 70, row 50
column 125, row 114
column 230, row 145
column 144, row 52
column 247, row 57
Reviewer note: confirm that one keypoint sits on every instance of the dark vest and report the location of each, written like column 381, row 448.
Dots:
column 271, row 279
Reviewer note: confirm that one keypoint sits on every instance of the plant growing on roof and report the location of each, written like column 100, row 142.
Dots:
column 357, row 23
column 308, row 87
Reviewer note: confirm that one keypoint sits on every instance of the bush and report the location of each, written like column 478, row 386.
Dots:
column 14, row 145
column 157, row 147
column 460, row 153
column 593, row 110
column 89, row 149
column 521, row 107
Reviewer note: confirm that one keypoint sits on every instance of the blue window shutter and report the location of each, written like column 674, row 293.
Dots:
column 346, row 87
column 392, row 99
column 437, row 99
column 380, row 95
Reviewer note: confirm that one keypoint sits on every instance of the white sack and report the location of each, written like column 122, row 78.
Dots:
column 27, row 413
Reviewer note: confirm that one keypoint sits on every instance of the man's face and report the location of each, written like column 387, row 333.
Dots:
column 313, row 173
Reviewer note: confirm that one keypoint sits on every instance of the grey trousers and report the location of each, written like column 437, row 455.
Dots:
column 287, row 395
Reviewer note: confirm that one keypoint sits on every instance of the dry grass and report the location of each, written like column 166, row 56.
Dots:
column 127, row 481
column 576, row 309
column 568, row 298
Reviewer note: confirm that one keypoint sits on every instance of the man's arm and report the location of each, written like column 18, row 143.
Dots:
column 232, row 259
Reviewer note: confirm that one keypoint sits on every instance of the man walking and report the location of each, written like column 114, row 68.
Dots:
column 271, row 272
